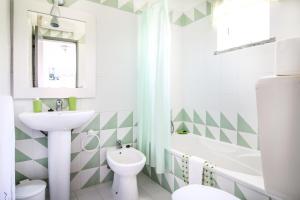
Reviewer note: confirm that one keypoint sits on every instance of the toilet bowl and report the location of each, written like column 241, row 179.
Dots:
column 126, row 164
column 201, row 192
column 31, row 190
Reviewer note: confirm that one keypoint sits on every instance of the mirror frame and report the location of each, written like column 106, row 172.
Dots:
column 22, row 57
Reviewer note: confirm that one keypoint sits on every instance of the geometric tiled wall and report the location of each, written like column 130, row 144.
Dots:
column 178, row 17
column 233, row 129
column 87, row 168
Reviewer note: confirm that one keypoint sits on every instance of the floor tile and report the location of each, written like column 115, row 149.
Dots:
column 90, row 193
column 143, row 195
column 155, row 191
column 148, row 190
column 105, row 192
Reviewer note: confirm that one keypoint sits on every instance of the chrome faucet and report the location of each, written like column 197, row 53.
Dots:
column 119, row 144
column 59, row 104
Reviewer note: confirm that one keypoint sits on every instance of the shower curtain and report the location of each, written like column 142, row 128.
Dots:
column 153, row 84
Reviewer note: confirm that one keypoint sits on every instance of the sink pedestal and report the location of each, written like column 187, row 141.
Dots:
column 59, row 153
column 59, row 126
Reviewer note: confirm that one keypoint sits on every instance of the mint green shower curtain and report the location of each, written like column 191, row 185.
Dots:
column 153, row 84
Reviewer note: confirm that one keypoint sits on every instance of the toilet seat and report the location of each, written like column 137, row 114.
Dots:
column 201, row 192
column 29, row 188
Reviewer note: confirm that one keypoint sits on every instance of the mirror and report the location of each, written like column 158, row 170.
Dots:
column 55, row 50
column 54, row 55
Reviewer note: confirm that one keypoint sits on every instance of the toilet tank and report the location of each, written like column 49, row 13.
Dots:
column 278, row 103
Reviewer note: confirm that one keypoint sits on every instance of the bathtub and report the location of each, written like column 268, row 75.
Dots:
column 233, row 162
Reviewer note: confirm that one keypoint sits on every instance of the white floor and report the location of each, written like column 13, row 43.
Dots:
column 148, row 190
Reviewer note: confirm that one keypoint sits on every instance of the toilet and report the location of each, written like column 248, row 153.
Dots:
column 31, row 190
column 201, row 192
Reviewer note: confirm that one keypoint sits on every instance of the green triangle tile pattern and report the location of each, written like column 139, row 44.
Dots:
column 196, row 131
column 74, row 136
column 109, row 177
column 19, row 177
column 93, row 162
column 197, row 119
column 128, row 139
column 43, row 162
column 209, row 134
column 176, row 185
column 73, row 175
column 210, row 121
column 168, row 161
column 238, row 193
column 112, row 123
column 183, row 20
column 182, row 126
column 225, row 123
column 20, row 135
column 94, row 180
column 128, row 7
column 74, row 155
column 43, row 141
column 154, row 175
column 20, row 157
column 112, row 140
column 243, row 126
column 198, row 15
column 182, row 116
column 94, row 124
column 223, row 137
column 177, row 169
column 165, row 184
column 111, row 3
column 242, row 142
column 128, row 122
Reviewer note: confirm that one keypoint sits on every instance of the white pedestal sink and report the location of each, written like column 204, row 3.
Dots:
column 59, row 126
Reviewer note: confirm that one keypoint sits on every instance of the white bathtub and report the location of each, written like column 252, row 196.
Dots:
column 238, row 163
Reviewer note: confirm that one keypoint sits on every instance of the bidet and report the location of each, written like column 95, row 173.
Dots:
column 126, row 164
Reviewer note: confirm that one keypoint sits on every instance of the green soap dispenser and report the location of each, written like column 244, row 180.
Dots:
column 37, row 105
column 72, row 103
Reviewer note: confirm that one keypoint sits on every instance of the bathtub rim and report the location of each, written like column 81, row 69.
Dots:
column 257, row 186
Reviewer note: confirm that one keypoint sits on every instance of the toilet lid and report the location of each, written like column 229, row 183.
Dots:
column 29, row 188
column 200, row 192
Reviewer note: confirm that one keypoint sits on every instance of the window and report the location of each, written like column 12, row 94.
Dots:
column 241, row 22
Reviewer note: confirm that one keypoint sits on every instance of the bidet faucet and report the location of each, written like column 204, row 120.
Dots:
column 59, row 104
column 119, row 144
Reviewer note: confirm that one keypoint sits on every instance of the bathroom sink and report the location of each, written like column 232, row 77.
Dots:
column 56, row 121
column 59, row 126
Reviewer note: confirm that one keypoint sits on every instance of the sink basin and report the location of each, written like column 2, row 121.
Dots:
column 56, row 121
column 126, row 163
column 59, row 126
